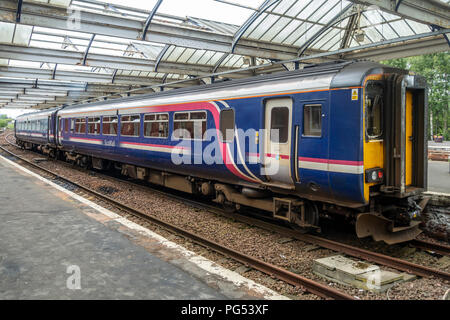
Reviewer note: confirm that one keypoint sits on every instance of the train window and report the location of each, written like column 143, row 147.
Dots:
column 227, row 124
column 312, row 120
column 374, row 110
column 80, row 125
column 66, row 125
column 110, row 125
column 94, row 125
column 130, row 125
column 189, row 125
column 279, row 121
column 156, row 125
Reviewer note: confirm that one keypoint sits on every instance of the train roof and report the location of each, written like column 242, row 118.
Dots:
column 36, row 114
column 341, row 74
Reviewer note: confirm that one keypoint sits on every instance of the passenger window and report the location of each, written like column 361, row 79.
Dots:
column 374, row 110
column 80, row 125
column 110, row 125
column 94, row 125
column 279, row 121
column 66, row 125
column 130, row 125
column 227, row 124
column 189, row 125
column 156, row 125
column 312, row 120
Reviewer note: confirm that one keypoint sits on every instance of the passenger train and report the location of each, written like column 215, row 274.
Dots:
column 343, row 138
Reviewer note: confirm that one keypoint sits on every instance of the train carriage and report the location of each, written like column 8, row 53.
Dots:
column 344, row 138
column 37, row 130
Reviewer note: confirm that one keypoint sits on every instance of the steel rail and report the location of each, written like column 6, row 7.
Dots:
column 353, row 251
column 267, row 268
column 431, row 246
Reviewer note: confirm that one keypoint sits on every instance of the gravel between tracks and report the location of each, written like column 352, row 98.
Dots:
column 271, row 247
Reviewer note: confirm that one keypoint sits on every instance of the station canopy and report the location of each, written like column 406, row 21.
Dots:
column 63, row 52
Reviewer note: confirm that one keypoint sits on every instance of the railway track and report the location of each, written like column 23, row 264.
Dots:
column 309, row 285
column 349, row 250
column 431, row 246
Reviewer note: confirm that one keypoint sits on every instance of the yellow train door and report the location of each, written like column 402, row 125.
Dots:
column 408, row 137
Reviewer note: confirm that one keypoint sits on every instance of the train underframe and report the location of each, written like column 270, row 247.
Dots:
column 386, row 218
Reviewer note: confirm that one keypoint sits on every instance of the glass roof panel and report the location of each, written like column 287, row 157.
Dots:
column 6, row 32
column 282, row 7
column 64, row 3
column 186, row 55
column 418, row 27
column 174, row 55
column 262, row 28
column 287, row 31
column 215, row 58
column 323, row 10
column 196, row 56
column 150, row 51
column 328, row 36
column 206, row 58
column 373, row 33
column 234, row 58
column 311, row 9
column 22, row 34
column 308, row 33
column 276, row 28
column 386, row 31
column 255, row 25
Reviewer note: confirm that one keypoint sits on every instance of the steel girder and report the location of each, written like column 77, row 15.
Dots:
column 59, row 56
column 80, row 76
column 431, row 12
column 393, row 51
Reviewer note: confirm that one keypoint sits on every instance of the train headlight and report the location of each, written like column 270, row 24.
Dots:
column 374, row 175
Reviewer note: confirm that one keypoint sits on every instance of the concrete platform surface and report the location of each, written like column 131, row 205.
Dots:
column 52, row 248
column 439, row 176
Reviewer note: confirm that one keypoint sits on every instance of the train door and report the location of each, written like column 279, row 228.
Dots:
column 405, row 148
column 276, row 159
column 49, row 125
column 59, row 130
column 311, row 147
column 408, row 137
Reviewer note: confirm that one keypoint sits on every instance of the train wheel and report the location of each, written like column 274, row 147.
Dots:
column 229, row 207
column 311, row 218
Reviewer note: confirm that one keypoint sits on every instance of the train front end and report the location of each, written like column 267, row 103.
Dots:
column 395, row 155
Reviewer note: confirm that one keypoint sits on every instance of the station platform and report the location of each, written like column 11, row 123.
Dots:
column 55, row 247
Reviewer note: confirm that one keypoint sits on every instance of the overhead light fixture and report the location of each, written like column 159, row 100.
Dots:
column 360, row 35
